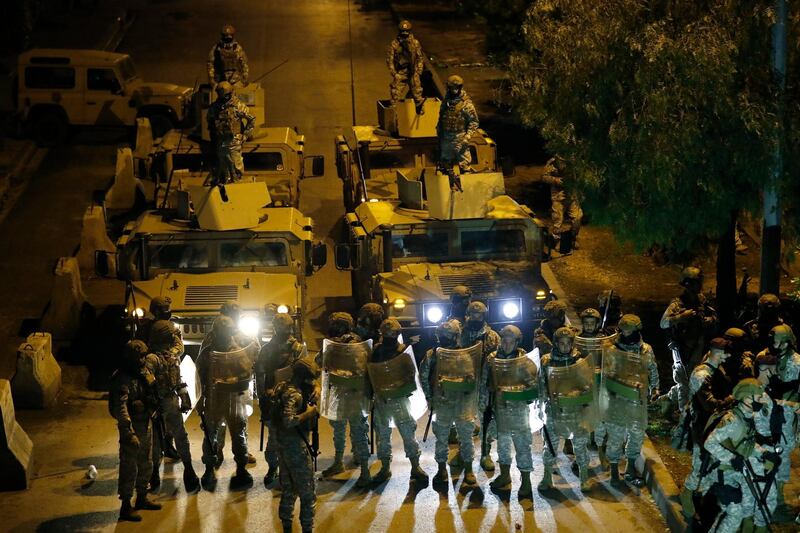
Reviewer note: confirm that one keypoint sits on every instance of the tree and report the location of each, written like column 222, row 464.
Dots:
column 503, row 23
column 664, row 110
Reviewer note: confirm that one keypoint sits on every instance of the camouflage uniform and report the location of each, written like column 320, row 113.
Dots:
column 561, row 204
column 768, row 317
column 230, row 123
column 227, row 62
column 556, row 315
column 458, row 121
column 405, row 61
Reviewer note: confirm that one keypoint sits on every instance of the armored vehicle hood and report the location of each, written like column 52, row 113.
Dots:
column 148, row 89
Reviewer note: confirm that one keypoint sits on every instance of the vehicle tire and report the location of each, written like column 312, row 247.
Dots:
column 49, row 129
column 160, row 124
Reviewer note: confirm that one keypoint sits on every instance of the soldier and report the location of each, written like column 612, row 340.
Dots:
column 280, row 352
column 227, row 60
column 627, row 418
column 173, row 400
column 458, row 121
column 785, row 384
column 769, row 308
column 391, row 408
column 555, row 317
column 230, row 123
column 614, row 312
column 565, row 377
column 226, row 370
column 512, row 414
column 689, row 318
column 449, row 379
column 562, row 204
column 351, row 403
column 369, row 321
column 132, row 402
column 405, row 62
column 740, row 364
column 705, row 399
column 293, row 413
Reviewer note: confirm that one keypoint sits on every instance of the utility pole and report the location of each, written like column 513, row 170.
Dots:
column 771, row 230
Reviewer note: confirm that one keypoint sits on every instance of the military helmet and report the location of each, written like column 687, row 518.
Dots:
column 511, row 331
column 224, row 326
column 228, row 31
column 161, row 333
column 477, row 307
column 555, row 309
column 341, row 321
column 460, row 291
column 282, row 322
column 135, row 350
column 630, row 321
column 371, row 310
column 449, row 328
column 691, row 273
column 734, row 334
column 404, row 26
column 390, row 327
column 230, row 308
column 455, row 81
column 563, row 333
column 783, row 333
column 747, row 387
column 769, row 301
column 590, row 312
column 224, row 88
column 160, row 304
column 602, row 298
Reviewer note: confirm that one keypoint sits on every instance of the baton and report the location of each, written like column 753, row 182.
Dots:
column 261, row 439
column 547, row 440
column 428, row 425
column 605, row 311
column 372, row 430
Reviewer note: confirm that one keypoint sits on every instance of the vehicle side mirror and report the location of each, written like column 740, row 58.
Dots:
column 105, row 264
column 507, row 165
column 313, row 166
column 319, row 254
column 348, row 256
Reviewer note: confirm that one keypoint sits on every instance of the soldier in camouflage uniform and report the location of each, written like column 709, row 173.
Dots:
column 460, row 299
column 227, row 60
column 458, row 121
column 292, row 416
column 769, row 309
column 369, row 321
column 230, row 123
column 340, row 330
column 785, row 384
column 281, row 351
column 562, row 204
column 132, row 401
column 591, row 321
column 513, row 419
column 405, row 62
column 614, row 309
column 174, row 400
column 452, row 409
column 555, row 317
column 630, row 340
column 561, row 421
column 397, row 409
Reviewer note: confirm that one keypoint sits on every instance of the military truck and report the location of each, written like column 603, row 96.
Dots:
column 409, row 252
column 237, row 250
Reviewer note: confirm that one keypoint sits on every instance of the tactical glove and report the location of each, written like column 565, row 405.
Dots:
column 186, row 402
column 129, row 438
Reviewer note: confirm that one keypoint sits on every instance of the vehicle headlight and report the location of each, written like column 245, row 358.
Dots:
column 541, row 294
column 434, row 314
column 399, row 304
column 249, row 325
column 139, row 312
column 283, row 308
column 505, row 310
column 510, row 310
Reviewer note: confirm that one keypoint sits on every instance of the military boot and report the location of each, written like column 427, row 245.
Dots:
column 143, row 504
column 525, row 490
column 487, row 464
column 615, row 480
column 469, row 476
column 601, row 454
column 271, row 475
column 155, row 480
column 502, row 481
column 584, row 477
column 251, row 459
column 336, row 468
column 385, row 472
column 631, row 475
column 568, row 450
column 547, row 479
column 452, row 437
column 190, row 480
column 242, row 477
column 364, row 480
column 687, row 502
column 287, row 526
column 417, row 473
column 169, row 450
column 440, row 479
column 127, row 513
column 456, row 461
column 209, row 479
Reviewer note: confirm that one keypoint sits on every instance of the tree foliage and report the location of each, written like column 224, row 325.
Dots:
column 665, row 109
column 503, row 23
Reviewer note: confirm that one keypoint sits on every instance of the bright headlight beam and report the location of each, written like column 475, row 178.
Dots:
column 283, row 308
column 249, row 325
column 510, row 310
column 434, row 314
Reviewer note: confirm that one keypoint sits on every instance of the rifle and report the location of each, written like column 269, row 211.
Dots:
column 428, row 425
column 315, row 440
column 212, row 441
column 488, row 414
column 270, row 71
column 372, row 429
column 261, row 438
column 750, row 480
column 547, row 440
column 605, row 311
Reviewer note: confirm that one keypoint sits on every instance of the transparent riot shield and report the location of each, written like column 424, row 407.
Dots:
column 572, row 396
column 399, row 378
column 190, row 376
column 623, row 389
column 458, row 370
column 593, row 347
column 516, row 380
column 285, row 373
column 232, row 371
column 345, row 382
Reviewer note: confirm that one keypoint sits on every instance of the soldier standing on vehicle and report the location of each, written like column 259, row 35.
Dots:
column 563, row 205
column 394, row 407
column 132, row 402
column 626, row 417
column 369, row 321
column 555, row 313
column 227, row 60
column 511, row 413
column 343, row 353
column 758, row 330
column 174, row 400
column 226, row 370
column 449, row 378
column 458, row 121
column 230, row 123
column 689, row 318
column 293, row 411
column 406, row 63
column 280, row 352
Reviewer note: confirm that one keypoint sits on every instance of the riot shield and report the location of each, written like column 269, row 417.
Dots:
column 571, row 395
column 458, row 370
column 623, row 389
column 190, row 376
column 593, row 347
column 285, row 373
column 344, row 379
column 516, row 379
column 232, row 371
column 399, row 378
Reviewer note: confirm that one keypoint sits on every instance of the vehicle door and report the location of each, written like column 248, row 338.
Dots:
column 105, row 100
column 49, row 84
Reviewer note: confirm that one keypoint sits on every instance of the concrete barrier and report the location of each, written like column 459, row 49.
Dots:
column 62, row 317
column 37, row 380
column 16, row 449
column 122, row 194
column 93, row 237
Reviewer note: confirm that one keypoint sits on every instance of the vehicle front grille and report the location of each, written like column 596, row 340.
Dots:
column 479, row 283
column 210, row 295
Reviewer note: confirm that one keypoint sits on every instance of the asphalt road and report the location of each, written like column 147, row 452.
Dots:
column 312, row 91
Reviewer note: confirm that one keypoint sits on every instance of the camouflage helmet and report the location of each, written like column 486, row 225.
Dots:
column 230, row 308
column 460, row 291
column 590, row 312
column 747, row 387
column 691, row 273
column 390, row 327
column 404, row 26
column 783, row 333
column 160, row 304
column 224, row 326
column 227, row 32
column 162, row 333
column 564, row 332
column 371, row 310
column 450, row 328
column 224, row 88
column 455, row 81
column 340, row 321
column 477, row 307
column 555, row 309
column 511, row 331
column 630, row 321
column 283, row 323
column 135, row 350
column 769, row 301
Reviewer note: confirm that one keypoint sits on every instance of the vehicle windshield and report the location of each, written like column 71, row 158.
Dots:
column 127, row 70
column 405, row 157
column 465, row 244
column 213, row 255
column 263, row 161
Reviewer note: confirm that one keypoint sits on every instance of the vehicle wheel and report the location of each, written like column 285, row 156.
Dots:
column 160, row 124
column 49, row 129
